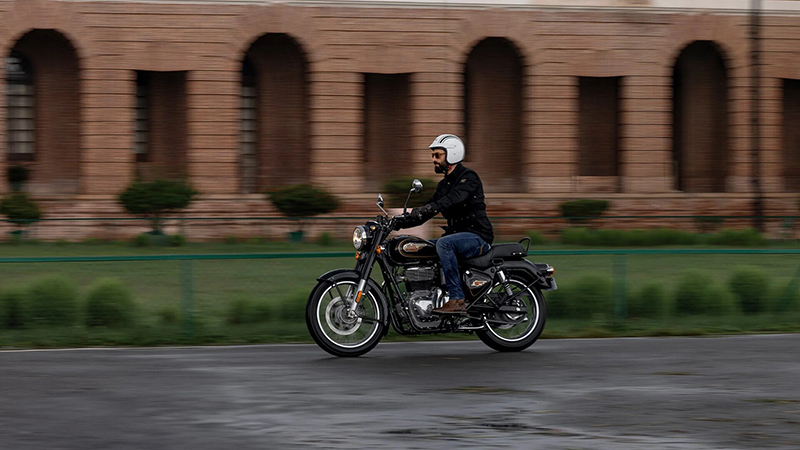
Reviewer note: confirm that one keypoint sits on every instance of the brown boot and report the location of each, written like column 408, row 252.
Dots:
column 455, row 306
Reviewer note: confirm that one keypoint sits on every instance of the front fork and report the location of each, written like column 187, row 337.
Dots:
column 364, row 268
column 359, row 292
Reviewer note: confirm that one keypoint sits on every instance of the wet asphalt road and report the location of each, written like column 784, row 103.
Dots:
column 661, row 393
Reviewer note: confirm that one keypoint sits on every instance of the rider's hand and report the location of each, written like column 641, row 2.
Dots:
column 420, row 213
column 400, row 221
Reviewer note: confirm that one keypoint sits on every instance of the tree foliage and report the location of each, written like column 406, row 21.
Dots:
column 20, row 209
column 580, row 210
column 302, row 200
column 154, row 199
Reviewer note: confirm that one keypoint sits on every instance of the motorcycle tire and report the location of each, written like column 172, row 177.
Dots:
column 330, row 326
column 514, row 338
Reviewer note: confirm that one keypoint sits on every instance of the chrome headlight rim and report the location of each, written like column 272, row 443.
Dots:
column 360, row 237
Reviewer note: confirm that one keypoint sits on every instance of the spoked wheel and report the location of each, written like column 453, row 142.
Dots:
column 522, row 322
column 334, row 328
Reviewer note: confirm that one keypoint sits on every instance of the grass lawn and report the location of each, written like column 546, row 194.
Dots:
column 282, row 286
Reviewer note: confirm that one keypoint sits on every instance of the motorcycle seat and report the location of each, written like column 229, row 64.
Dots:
column 498, row 251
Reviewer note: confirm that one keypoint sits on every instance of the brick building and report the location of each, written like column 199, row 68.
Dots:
column 642, row 102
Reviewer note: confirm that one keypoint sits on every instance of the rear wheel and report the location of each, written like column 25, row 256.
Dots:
column 519, row 327
column 332, row 326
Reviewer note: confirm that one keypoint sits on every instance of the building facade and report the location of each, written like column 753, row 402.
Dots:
column 643, row 103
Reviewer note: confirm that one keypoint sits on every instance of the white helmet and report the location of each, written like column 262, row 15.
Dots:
column 452, row 144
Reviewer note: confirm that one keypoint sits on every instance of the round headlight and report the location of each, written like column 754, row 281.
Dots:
column 359, row 237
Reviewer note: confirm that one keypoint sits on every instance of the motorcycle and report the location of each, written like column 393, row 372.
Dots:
column 348, row 312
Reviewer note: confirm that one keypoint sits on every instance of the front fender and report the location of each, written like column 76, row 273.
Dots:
column 337, row 274
column 372, row 287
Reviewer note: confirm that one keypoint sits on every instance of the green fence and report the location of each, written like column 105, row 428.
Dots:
column 205, row 286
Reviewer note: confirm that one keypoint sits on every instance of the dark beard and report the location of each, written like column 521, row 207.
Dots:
column 438, row 169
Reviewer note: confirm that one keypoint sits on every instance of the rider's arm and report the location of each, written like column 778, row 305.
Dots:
column 409, row 220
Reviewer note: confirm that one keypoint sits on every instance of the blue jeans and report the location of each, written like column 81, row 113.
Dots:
column 454, row 246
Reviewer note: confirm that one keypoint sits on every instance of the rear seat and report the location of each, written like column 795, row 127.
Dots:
column 502, row 251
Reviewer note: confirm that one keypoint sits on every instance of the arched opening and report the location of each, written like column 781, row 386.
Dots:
column 21, row 113
column 700, row 119
column 493, row 100
column 275, row 89
column 161, row 125
column 791, row 135
column 249, row 128
column 387, row 128
column 44, row 114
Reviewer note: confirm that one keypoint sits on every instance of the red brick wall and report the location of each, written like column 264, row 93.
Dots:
column 537, row 166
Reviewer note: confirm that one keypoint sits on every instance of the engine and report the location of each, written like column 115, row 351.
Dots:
column 423, row 294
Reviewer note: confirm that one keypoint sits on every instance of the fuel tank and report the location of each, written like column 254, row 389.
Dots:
column 410, row 249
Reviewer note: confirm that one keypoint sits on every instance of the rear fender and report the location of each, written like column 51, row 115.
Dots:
column 534, row 273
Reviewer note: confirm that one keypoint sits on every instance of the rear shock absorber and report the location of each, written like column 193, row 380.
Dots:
column 504, row 280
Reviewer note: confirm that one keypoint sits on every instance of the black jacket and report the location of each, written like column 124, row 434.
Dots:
column 459, row 197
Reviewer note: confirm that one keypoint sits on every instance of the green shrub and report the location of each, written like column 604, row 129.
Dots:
column 537, row 238
column 177, row 240
column 669, row 236
column 626, row 238
column 691, row 293
column 325, row 239
column 558, row 301
column 750, row 287
column 577, row 211
column 708, row 224
column 697, row 294
column 719, row 301
column 92, row 241
column 20, row 209
column 649, row 301
column 592, row 295
column 241, row 311
column 154, row 199
column 238, row 312
column 169, row 315
column 302, row 200
column 747, row 237
column 396, row 190
column 293, row 307
column 13, row 309
column 231, row 240
column 785, row 298
column 578, row 236
column 142, row 240
column 109, row 304
column 53, row 301
column 17, row 174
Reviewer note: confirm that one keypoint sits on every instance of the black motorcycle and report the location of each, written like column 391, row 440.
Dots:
column 348, row 312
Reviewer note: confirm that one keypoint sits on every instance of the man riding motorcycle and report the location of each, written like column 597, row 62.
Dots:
column 459, row 198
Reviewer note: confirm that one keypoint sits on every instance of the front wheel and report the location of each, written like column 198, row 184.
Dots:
column 515, row 331
column 333, row 328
